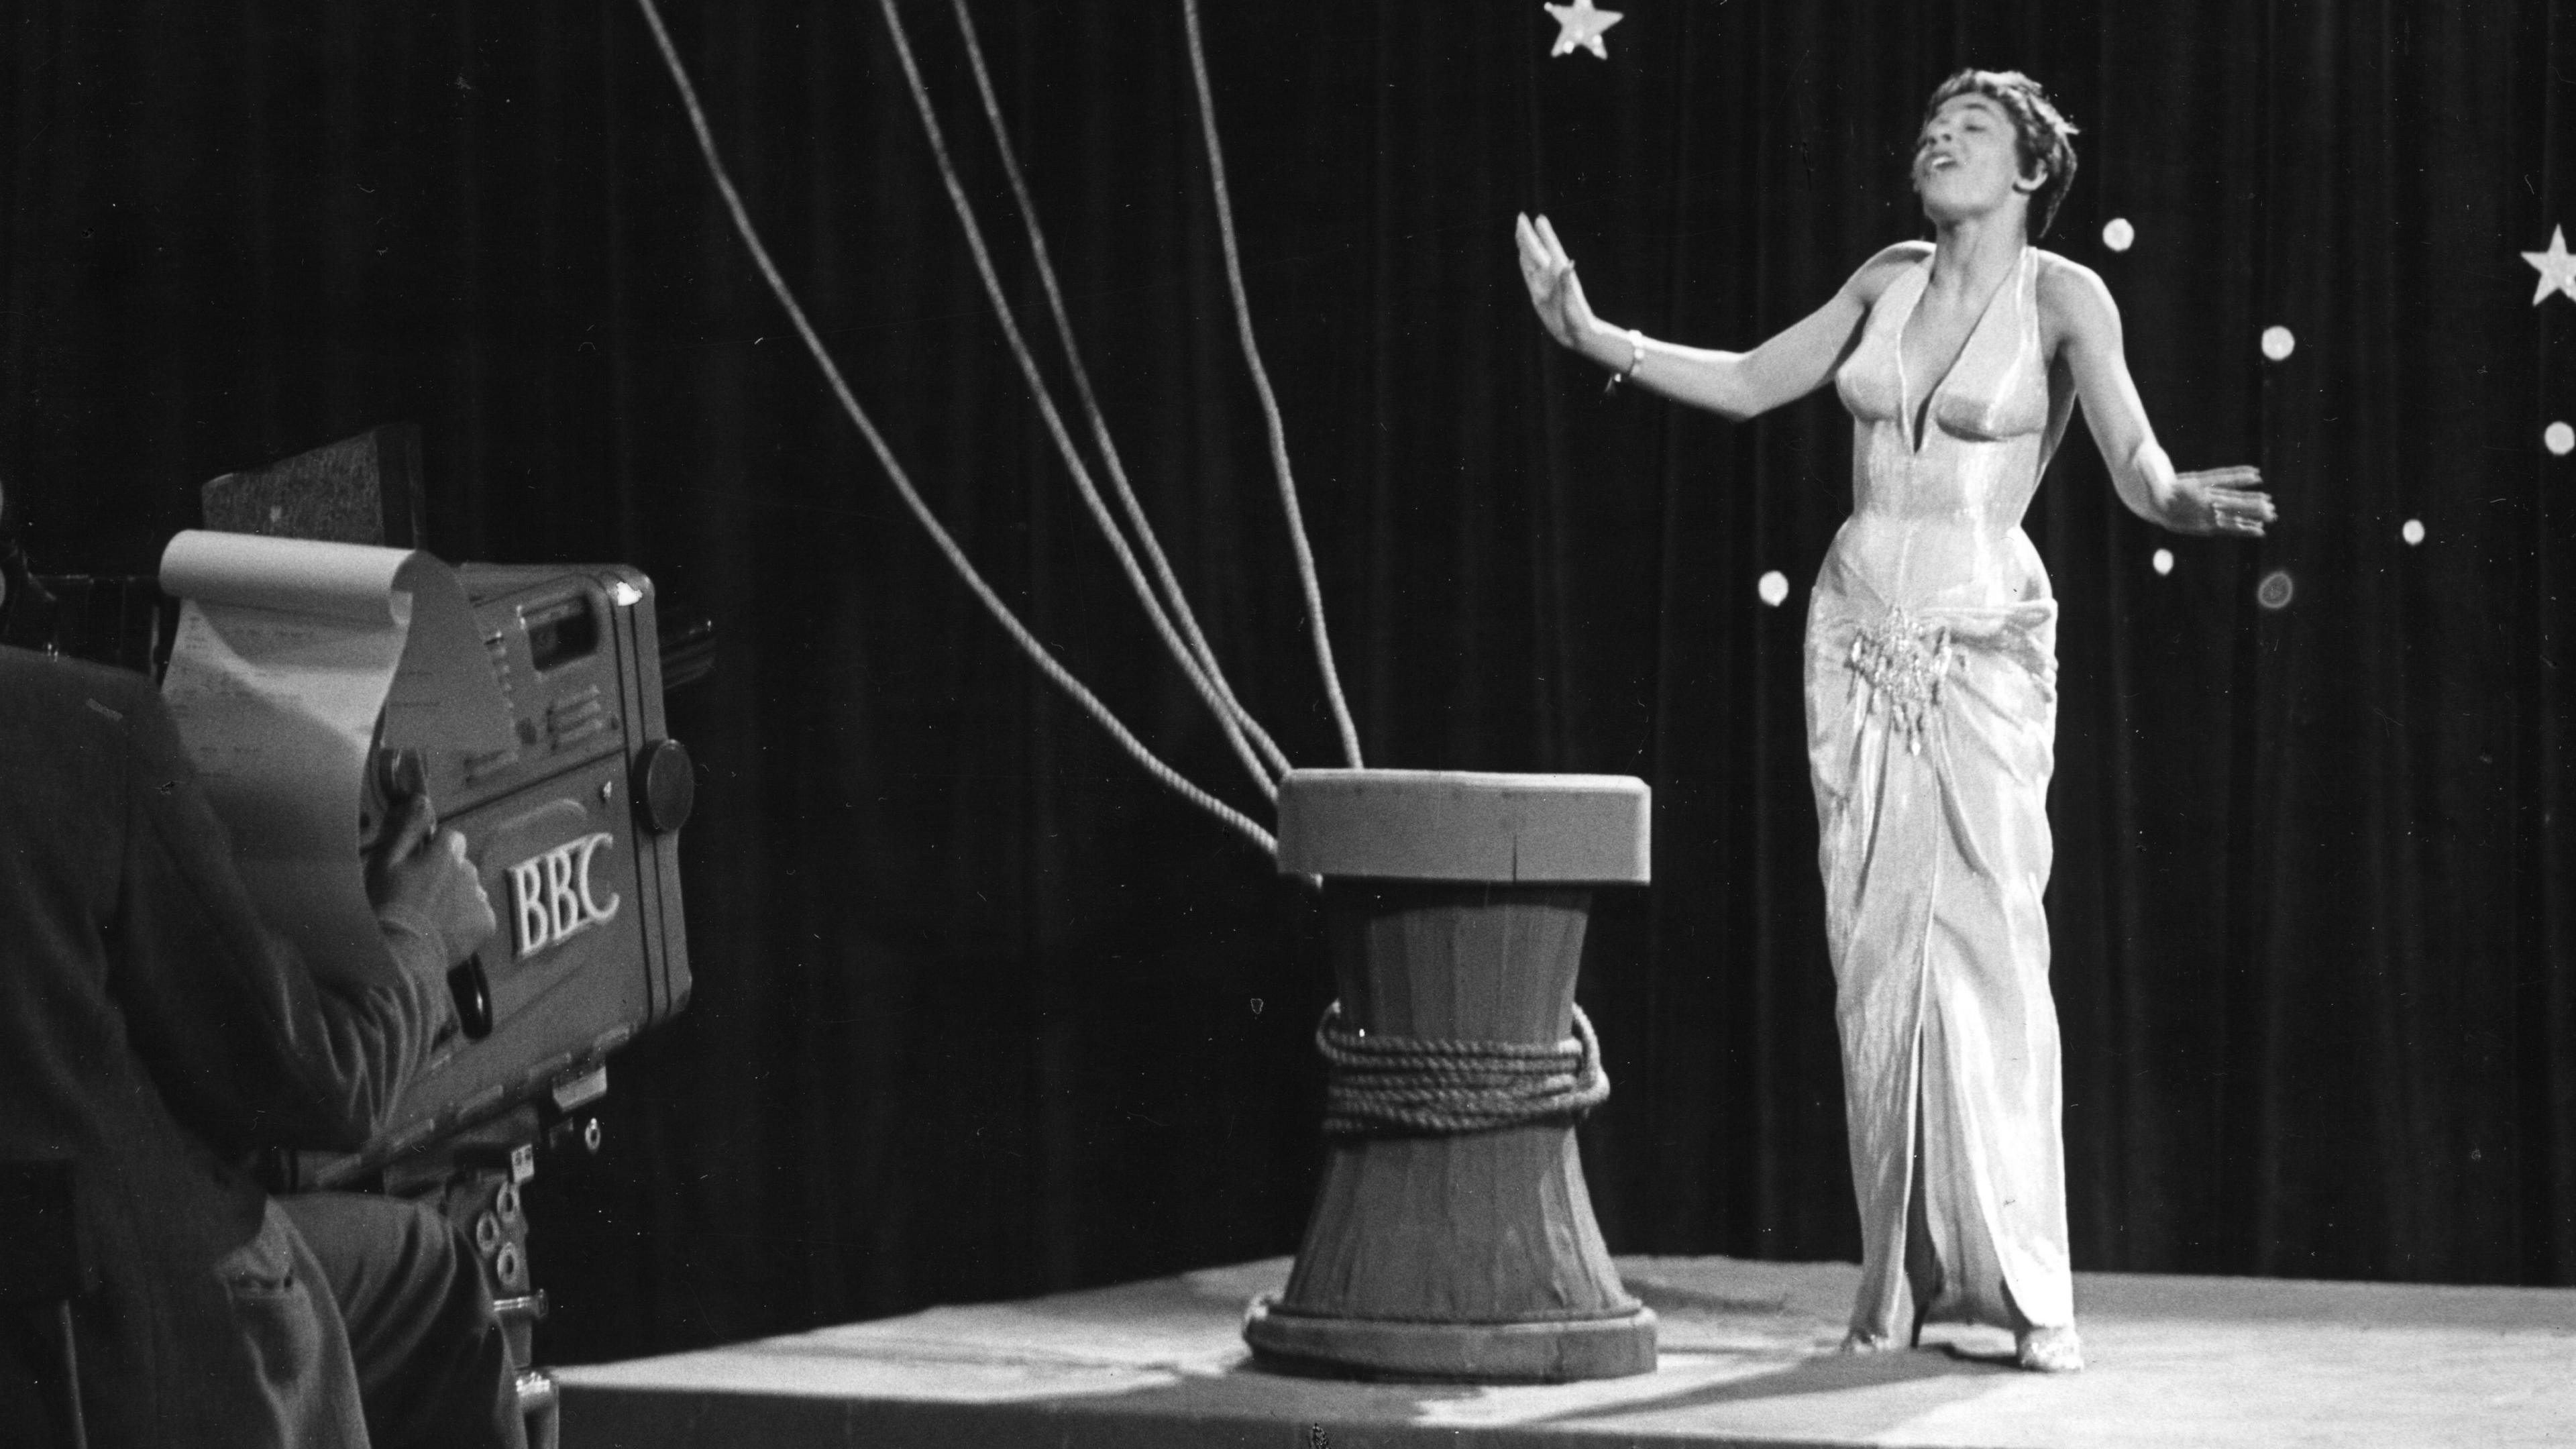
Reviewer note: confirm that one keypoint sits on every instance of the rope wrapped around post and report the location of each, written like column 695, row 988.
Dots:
column 1383, row 1084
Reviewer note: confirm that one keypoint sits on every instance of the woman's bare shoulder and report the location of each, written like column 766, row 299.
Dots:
column 2069, row 288
column 2075, row 304
column 1890, row 263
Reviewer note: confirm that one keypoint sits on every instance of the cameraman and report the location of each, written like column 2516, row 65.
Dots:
column 157, row 1034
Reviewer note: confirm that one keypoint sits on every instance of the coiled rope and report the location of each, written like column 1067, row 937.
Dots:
column 1381, row 1084
column 1001, row 612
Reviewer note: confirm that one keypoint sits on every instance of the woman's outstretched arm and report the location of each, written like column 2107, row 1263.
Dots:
column 2216, row 500
column 1738, row 385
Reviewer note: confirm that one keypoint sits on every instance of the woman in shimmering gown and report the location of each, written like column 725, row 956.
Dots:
column 1931, row 690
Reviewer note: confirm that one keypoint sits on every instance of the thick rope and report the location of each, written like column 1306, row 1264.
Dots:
column 1380, row 1084
column 1171, row 587
column 1191, row 665
column 956, row 556
column 1269, row 403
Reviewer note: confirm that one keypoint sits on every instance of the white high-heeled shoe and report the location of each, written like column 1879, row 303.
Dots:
column 2053, row 1350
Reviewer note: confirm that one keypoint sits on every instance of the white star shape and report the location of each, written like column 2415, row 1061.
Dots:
column 1579, row 24
column 2557, row 267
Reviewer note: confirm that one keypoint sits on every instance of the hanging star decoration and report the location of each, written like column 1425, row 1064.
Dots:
column 1579, row 25
column 2557, row 267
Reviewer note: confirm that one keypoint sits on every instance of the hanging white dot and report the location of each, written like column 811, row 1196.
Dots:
column 2412, row 531
column 2163, row 561
column 2275, row 590
column 1774, row 588
column 2559, row 438
column 2278, row 343
column 2117, row 234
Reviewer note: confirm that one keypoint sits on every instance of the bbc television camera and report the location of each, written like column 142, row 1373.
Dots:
column 574, row 824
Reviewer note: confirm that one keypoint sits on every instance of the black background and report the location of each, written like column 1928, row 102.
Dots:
column 980, row 1010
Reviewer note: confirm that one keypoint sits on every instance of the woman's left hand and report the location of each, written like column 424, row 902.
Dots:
column 2225, row 501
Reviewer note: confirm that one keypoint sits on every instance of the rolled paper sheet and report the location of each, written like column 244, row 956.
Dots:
column 287, row 656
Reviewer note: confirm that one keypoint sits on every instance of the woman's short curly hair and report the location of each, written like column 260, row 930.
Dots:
column 2042, row 137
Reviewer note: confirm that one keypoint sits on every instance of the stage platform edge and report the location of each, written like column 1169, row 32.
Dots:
column 1746, row 1359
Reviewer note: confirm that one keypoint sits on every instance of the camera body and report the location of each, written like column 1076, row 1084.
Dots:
column 575, row 828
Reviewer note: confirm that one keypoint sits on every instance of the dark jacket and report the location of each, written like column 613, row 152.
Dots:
column 156, row 1033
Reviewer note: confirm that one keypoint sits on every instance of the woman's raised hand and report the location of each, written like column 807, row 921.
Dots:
column 1554, row 292
column 2228, row 501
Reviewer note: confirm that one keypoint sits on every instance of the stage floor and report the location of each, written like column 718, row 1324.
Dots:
column 1746, row 1360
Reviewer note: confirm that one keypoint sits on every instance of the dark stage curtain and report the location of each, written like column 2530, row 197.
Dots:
column 980, row 1011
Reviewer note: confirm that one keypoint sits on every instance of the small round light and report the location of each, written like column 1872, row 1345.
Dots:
column 2163, row 561
column 2412, row 531
column 2275, row 590
column 2278, row 344
column 2559, row 438
column 1774, row 588
column 2118, row 235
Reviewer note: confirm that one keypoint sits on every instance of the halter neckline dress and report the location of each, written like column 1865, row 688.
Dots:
column 1931, row 719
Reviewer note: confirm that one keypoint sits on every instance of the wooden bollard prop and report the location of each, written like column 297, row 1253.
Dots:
column 1453, row 1236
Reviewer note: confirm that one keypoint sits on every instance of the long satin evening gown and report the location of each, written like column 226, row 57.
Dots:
column 1931, row 715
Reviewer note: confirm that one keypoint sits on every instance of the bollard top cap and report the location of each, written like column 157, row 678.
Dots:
column 1466, row 825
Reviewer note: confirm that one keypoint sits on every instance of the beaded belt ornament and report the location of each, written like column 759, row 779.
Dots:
column 1903, row 660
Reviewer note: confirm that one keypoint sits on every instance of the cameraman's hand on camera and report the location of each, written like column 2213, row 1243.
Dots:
column 419, row 879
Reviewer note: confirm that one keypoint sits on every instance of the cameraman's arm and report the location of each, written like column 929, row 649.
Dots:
column 249, row 1043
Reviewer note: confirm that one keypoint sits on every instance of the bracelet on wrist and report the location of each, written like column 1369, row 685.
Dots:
column 1636, row 360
